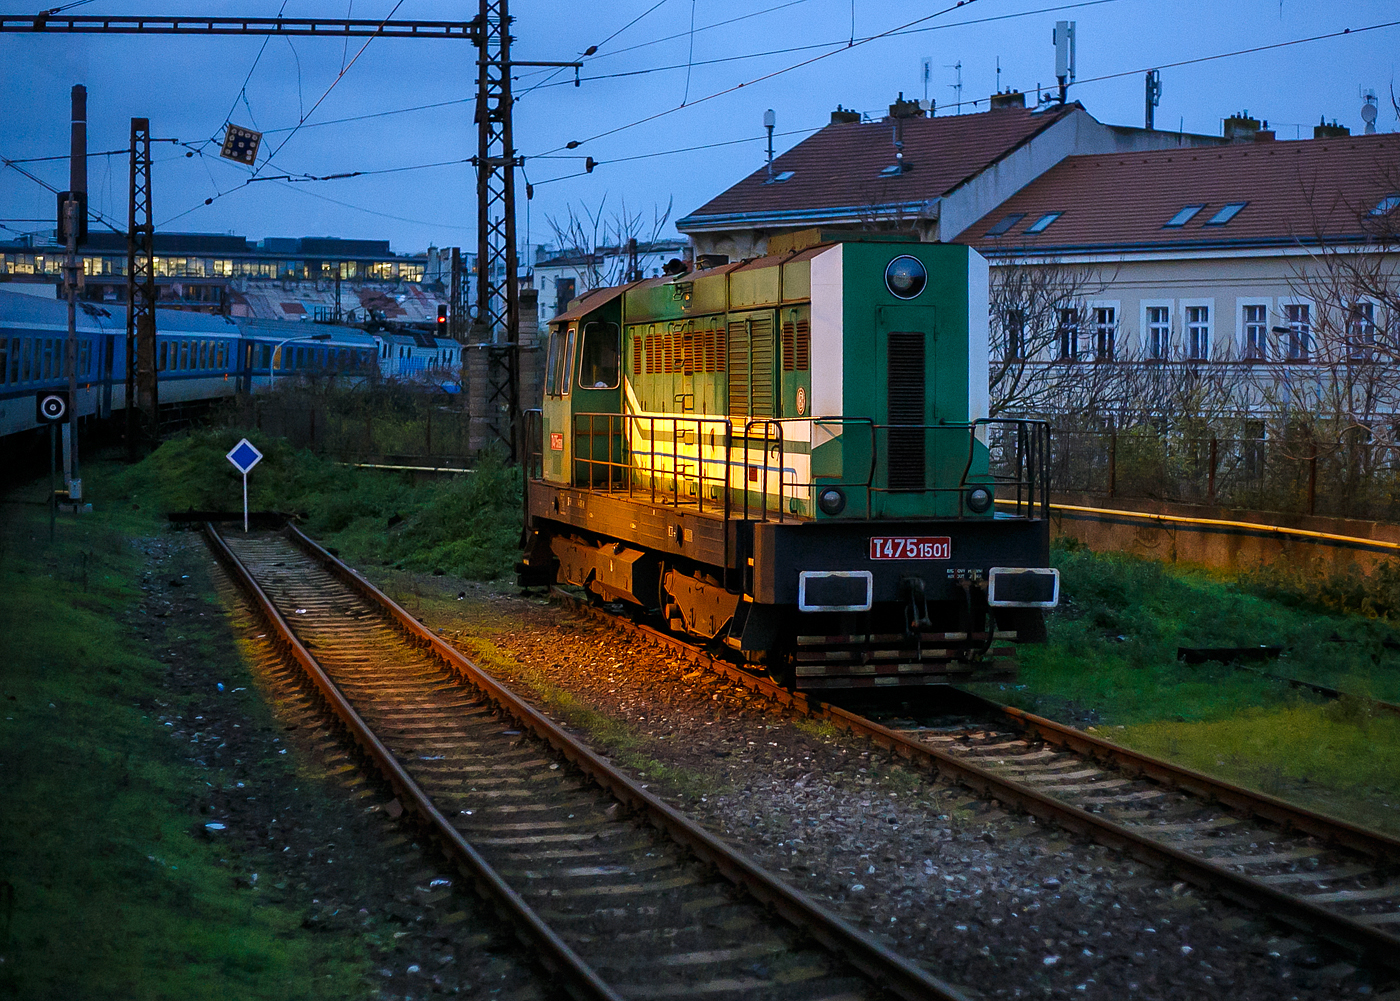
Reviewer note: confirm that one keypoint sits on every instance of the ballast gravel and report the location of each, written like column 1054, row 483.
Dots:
column 993, row 902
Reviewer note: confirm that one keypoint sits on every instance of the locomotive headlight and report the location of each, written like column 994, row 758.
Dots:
column 979, row 499
column 905, row 277
column 831, row 501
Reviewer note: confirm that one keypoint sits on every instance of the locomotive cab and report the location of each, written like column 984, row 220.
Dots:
column 792, row 456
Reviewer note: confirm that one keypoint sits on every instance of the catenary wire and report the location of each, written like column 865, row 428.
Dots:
column 759, row 79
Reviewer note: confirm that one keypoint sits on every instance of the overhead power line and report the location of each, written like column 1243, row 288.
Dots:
column 758, row 79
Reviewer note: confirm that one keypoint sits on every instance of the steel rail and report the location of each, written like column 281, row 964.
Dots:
column 1297, row 911
column 554, row 952
column 886, row 968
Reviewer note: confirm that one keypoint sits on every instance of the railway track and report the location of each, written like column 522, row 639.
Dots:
column 618, row 895
column 1314, row 872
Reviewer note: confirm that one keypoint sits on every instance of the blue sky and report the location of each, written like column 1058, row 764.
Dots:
column 187, row 86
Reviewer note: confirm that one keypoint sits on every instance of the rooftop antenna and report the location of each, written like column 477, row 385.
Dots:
column 927, row 73
column 770, row 121
column 998, row 74
column 1153, row 97
column 1368, row 111
column 957, row 87
column 1064, row 55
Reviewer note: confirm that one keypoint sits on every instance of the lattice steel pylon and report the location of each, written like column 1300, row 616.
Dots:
column 497, row 326
column 142, row 393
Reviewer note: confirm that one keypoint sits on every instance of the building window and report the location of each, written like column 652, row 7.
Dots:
column 1361, row 330
column 1299, row 331
column 1256, row 329
column 1105, row 332
column 1068, row 334
column 1198, row 332
column 1043, row 223
column 1182, row 217
column 1159, row 332
column 1015, row 335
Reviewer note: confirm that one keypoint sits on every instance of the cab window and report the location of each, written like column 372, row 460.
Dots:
column 568, row 359
column 551, row 370
column 598, row 364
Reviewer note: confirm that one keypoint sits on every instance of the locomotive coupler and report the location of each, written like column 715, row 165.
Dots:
column 915, row 605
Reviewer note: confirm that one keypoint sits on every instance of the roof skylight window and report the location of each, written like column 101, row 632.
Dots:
column 1043, row 223
column 1386, row 205
column 1226, row 213
column 780, row 177
column 1001, row 227
column 1182, row 217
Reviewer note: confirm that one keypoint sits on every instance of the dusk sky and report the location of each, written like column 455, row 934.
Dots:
column 190, row 86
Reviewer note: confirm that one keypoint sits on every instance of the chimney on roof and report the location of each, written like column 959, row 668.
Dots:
column 1324, row 131
column 906, row 109
column 1241, row 127
column 844, row 116
column 1265, row 136
column 1008, row 99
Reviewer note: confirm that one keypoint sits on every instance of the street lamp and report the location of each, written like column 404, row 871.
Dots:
column 278, row 356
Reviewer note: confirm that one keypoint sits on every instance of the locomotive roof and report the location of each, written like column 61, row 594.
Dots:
column 593, row 299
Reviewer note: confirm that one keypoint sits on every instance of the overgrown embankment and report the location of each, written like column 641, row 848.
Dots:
column 467, row 525
column 1111, row 662
column 110, row 884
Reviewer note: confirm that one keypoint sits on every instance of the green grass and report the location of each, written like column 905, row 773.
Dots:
column 1112, row 656
column 113, row 895
column 468, row 525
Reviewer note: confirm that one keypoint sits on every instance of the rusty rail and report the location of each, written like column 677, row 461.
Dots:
column 1378, row 945
column 888, row 969
column 553, row 951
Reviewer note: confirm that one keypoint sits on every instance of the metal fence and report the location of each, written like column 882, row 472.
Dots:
column 1347, row 479
column 413, row 432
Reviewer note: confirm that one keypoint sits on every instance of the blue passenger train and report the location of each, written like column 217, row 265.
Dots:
column 199, row 357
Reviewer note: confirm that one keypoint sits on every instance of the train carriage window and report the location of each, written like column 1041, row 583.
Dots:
column 160, row 358
column 50, row 369
column 566, row 380
column 24, row 370
column 600, row 358
column 14, row 359
column 4, row 358
column 551, row 365
column 184, row 365
column 84, row 358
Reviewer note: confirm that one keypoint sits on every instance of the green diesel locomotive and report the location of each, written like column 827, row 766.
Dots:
column 791, row 456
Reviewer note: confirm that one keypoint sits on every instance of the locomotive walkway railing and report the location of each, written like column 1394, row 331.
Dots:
column 760, row 471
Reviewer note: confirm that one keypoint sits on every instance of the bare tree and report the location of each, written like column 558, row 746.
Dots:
column 1340, row 401
column 601, row 245
column 1048, row 357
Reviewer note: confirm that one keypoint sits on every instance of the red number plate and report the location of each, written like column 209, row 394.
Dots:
column 904, row 547
column 556, row 441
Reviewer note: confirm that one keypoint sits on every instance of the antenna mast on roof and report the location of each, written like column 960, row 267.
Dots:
column 1153, row 97
column 770, row 121
column 927, row 72
column 1368, row 111
column 1064, row 55
column 957, row 87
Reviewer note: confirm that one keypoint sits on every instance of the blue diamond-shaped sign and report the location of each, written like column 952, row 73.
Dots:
column 244, row 456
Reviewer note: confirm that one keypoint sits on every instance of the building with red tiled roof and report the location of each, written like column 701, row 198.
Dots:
column 934, row 175
column 1260, row 251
